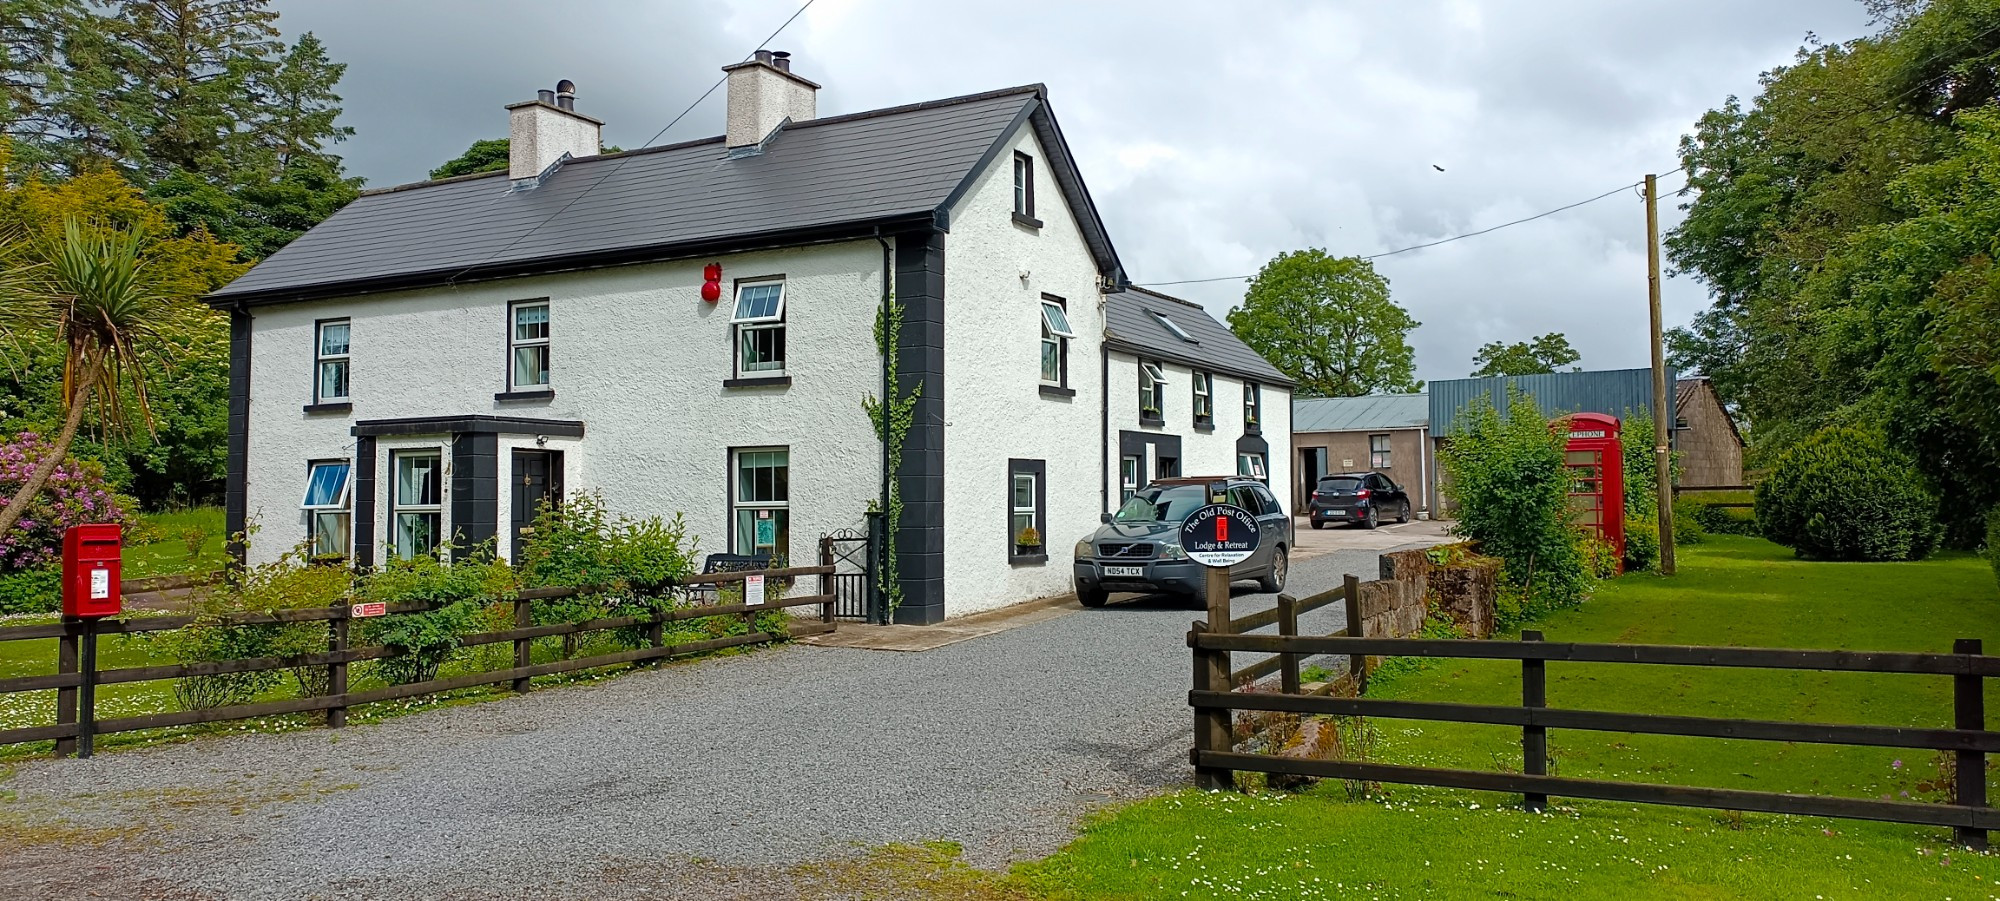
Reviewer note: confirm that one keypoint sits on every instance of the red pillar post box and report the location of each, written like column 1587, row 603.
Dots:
column 1595, row 454
column 90, row 570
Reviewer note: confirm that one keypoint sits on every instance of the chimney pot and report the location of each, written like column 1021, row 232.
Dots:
column 764, row 56
column 546, row 96
column 782, row 60
column 566, row 94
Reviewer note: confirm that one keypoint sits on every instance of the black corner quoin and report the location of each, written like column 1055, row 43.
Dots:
column 920, row 366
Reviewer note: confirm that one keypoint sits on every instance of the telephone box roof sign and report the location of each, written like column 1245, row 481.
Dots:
column 1219, row 535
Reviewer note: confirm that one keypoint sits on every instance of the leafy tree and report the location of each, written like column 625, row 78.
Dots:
column 1328, row 323
column 489, row 155
column 1545, row 354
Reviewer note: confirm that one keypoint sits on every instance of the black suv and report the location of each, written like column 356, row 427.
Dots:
column 1139, row 547
column 1363, row 497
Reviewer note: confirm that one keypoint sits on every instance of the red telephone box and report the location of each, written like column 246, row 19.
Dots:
column 1597, row 498
column 90, row 570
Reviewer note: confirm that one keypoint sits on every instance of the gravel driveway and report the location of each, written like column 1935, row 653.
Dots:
column 647, row 784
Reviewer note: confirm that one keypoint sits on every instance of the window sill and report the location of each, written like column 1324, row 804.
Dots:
column 1027, row 559
column 1204, row 425
column 1152, row 420
column 341, row 407
column 1057, row 391
column 758, row 381
column 537, row 394
column 1027, row 221
column 1252, row 430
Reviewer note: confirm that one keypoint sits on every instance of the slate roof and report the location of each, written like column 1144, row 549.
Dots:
column 1374, row 412
column 1130, row 325
column 822, row 179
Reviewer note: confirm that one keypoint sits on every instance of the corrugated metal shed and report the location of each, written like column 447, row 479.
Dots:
column 1374, row 412
column 1613, row 392
column 861, row 168
column 1132, row 323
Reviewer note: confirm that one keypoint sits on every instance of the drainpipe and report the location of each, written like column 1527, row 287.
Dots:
column 880, row 615
column 1104, row 426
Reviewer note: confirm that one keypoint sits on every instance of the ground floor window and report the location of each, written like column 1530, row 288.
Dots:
column 416, row 503
column 1026, row 499
column 1252, row 465
column 1128, row 477
column 763, row 500
column 1167, row 468
column 326, row 504
column 1378, row 452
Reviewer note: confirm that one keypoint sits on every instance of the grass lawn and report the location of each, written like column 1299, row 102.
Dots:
column 1424, row 842
column 169, row 552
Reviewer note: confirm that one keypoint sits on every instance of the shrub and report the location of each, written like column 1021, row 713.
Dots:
column 1642, row 487
column 1842, row 494
column 289, row 583
column 1642, row 544
column 37, row 590
column 1718, row 520
column 75, row 493
column 1511, row 489
column 1687, row 528
column 457, row 595
column 626, row 561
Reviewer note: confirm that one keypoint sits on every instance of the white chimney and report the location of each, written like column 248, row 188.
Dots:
column 763, row 92
column 547, row 128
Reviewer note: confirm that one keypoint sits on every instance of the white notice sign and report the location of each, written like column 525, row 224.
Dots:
column 753, row 590
column 100, row 584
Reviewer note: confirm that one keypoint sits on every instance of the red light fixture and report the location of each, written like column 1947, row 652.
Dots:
column 711, row 284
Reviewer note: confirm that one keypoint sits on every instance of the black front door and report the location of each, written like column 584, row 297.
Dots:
column 537, row 480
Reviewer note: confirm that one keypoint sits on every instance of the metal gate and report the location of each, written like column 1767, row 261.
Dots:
column 854, row 560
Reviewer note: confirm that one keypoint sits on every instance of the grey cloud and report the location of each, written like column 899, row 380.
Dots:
column 1213, row 135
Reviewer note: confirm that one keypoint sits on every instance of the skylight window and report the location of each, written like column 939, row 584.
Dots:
column 1175, row 328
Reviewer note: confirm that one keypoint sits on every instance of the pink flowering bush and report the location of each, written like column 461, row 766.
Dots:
column 74, row 494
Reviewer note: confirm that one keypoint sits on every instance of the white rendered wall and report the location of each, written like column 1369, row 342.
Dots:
column 994, row 410
column 1204, row 452
column 636, row 355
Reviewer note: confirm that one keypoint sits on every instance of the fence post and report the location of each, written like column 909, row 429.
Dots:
column 524, row 616
column 656, row 631
column 1211, row 725
column 336, row 672
column 1969, row 712
column 66, row 660
column 86, row 695
column 826, row 578
column 1288, row 627
column 1357, row 664
column 1534, row 739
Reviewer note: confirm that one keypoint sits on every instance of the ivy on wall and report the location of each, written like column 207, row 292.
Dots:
column 892, row 419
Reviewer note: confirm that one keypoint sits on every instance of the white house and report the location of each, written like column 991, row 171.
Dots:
column 690, row 329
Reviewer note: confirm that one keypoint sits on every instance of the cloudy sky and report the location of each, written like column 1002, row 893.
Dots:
column 1213, row 135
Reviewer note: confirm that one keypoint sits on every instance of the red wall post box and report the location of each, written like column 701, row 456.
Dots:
column 90, row 570
column 1597, row 499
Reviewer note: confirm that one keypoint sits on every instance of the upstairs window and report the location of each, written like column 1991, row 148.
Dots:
column 1056, row 333
column 1378, row 452
column 1152, row 391
column 528, row 346
column 1024, row 186
column 759, row 321
column 1253, row 407
column 326, row 507
column 330, row 362
column 1204, row 398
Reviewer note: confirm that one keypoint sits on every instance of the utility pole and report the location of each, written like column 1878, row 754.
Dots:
column 1662, row 424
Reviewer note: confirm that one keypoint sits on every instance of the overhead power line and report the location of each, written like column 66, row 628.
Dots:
column 1473, row 234
column 649, row 142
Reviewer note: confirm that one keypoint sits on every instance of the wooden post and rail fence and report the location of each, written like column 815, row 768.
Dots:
column 1214, row 701
column 77, row 676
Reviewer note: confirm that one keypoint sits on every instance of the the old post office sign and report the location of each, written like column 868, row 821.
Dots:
column 1219, row 535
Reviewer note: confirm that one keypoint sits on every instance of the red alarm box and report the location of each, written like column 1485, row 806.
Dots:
column 90, row 570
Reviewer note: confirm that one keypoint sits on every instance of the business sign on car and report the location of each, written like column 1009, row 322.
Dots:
column 1219, row 535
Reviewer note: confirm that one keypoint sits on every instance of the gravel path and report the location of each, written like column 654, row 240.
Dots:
column 665, row 783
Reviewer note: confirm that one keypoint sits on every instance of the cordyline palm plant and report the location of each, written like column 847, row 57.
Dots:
column 90, row 292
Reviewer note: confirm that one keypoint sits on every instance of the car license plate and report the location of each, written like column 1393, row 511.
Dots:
column 1336, row 511
column 1131, row 571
